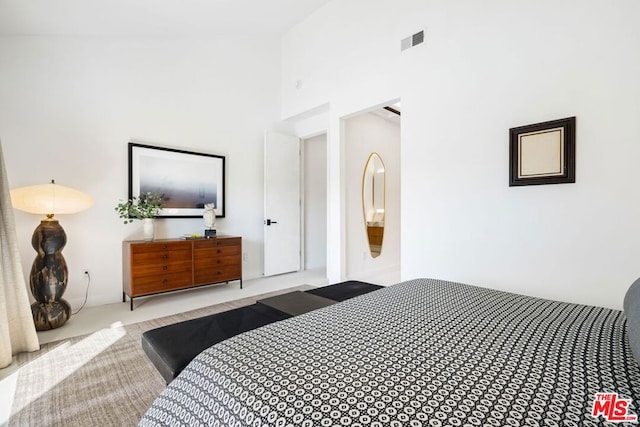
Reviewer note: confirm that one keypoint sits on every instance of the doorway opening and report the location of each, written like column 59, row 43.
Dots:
column 373, row 131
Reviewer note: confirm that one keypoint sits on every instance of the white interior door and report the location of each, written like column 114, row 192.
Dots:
column 281, row 203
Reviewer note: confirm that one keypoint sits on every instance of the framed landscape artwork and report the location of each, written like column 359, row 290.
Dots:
column 186, row 180
column 543, row 153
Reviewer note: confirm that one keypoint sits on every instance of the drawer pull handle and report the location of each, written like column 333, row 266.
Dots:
column 219, row 261
column 164, row 267
column 164, row 246
column 165, row 256
column 219, row 251
column 165, row 281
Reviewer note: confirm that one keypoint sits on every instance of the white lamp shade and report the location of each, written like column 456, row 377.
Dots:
column 50, row 199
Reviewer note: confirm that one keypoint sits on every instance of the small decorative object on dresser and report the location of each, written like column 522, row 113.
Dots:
column 209, row 217
column 146, row 208
column 166, row 265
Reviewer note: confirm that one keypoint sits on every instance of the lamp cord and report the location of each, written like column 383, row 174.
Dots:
column 86, row 294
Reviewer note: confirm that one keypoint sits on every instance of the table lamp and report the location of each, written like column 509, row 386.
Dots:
column 48, row 278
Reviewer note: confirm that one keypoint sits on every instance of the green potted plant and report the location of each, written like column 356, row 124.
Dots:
column 144, row 207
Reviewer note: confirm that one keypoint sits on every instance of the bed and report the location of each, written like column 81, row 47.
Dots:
column 420, row 353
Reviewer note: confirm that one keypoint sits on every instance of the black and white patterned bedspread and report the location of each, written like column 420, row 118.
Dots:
column 420, row 353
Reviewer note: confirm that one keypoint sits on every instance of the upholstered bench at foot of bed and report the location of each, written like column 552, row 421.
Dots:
column 345, row 290
column 170, row 348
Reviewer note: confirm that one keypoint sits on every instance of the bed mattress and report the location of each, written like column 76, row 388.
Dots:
column 420, row 353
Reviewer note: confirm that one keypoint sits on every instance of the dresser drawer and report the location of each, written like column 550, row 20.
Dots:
column 216, row 261
column 145, row 285
column 167, row 266
column 158, row 258
column 220, row 274
column 217, row 251
column 217, row 242
column 142, row 248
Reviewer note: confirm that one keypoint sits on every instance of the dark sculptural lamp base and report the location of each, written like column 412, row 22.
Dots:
column 48, row 278
column 50, row 315
column 209, row 233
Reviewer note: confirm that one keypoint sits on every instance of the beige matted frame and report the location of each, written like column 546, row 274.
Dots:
column 543, row 153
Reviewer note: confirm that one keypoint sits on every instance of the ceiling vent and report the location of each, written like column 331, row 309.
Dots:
column 411, row 41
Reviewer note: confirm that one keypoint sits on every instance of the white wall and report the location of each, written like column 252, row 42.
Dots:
column 364, row 134
column 315, row 202
column 485, row 67
column 70, row 105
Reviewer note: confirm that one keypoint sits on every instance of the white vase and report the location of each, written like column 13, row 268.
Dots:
column 148, row 229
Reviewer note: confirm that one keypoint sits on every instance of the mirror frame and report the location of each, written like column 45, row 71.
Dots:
column 375, row 247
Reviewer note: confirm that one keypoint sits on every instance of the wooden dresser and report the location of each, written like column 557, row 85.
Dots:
column 159, row 266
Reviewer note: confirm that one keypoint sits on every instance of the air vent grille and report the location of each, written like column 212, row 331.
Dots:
column 418, row 38
column 411, row 41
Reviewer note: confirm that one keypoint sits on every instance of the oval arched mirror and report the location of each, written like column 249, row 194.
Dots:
column 373, row 195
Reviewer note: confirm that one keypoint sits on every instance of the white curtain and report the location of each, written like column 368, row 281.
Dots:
column 17, row 331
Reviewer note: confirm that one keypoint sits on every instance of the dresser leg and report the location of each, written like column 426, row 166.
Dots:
column 240, row 283
column 123, row 297
column 131, row 299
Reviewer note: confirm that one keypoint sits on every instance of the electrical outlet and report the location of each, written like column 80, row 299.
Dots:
column 244, row 256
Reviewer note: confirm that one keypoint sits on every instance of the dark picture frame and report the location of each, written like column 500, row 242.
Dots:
column 543, row 153
column 187, row 180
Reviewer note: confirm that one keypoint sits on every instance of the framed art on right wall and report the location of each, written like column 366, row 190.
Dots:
column 543, row 153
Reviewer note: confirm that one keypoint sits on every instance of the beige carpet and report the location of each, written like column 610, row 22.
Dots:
column 101, row 379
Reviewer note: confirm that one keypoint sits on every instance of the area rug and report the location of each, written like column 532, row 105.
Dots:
column 101, row 379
